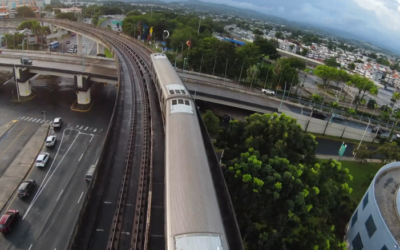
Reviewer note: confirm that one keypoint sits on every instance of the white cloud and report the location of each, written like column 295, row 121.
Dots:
column 375, row 20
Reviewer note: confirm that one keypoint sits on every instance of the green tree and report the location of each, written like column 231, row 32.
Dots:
column 267, row 48
column 351, row 66
column 284, row 72
column 25, row 11
column 389, row 152
column 28, row 24
column 316, row 98
column 211, row 121
column 326, row 73
column 278, row 188
column 304, row 52
column 258, row 32
column 363, row 153
column 57, row 11
column 364, row 86
column 340, row 76
column 68, row 15
column 279, row 35
column 331, row 62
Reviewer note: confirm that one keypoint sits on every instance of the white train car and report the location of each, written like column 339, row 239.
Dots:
column 193, row 219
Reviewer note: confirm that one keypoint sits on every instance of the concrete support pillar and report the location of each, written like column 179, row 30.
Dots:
column 24, row 88
column 83, row 97
column 51, row 28
column 79, row 44
column 100, row 49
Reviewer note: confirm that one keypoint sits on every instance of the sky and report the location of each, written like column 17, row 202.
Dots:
column 376, row 21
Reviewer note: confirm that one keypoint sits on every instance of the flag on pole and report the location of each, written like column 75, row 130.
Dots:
column 151, row 31
column 189, row 43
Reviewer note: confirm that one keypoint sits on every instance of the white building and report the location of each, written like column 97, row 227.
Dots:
column 375, row 223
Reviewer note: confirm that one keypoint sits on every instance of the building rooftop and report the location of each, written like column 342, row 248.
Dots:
column 386, row 188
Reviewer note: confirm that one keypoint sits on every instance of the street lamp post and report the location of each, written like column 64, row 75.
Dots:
column 226, row 67
column 201, row 62
column 176, row 55
column 365, row 131
column 83, row 55
column 182, row 51
column 284, row 91
column 252, row 78
column 240, row 75
column 184, row 62
column 265, row 84
column 44, row 115
column 214, row 64
column 16, row 81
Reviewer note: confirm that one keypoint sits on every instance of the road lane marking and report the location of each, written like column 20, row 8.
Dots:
column 48, row 179
column 95, row 130
column 80, row 197
column 1, row 155
column 107, row 202
column 91, row 139
column 96, row 161
column 30, row 247
column 60, row 195
column 80, row 157
column 86, row 128
column 81, row 128
column 99, row 230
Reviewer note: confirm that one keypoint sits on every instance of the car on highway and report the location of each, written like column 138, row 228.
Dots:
column 42, row 159
column 25, row 61
column 57, row 122
column 50, row 141
column 337, row 117
column 268, row 91
column 26, row 187
column 7, row 219
column 67, row 42
column 318, row 114
column 378, row 130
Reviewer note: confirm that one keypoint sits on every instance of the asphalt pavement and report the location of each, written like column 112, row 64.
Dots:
column 49, row 214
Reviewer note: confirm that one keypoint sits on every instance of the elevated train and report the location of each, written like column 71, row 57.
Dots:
column 193, row 218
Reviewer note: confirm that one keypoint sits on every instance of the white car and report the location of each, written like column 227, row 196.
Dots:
column 50, row 141
column 42, row 159
column 57, row 122
column 268, row 91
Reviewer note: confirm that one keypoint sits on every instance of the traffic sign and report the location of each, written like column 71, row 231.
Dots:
column 342, row 149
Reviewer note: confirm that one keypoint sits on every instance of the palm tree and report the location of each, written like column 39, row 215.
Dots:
column 396, row 115
column 9, row 40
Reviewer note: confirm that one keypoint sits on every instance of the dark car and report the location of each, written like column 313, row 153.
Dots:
column 7, row 219
column 25, row 188
column 318, row 115
column 25, row 61
column 67, row 42
column 378, row 130
column 75, row 46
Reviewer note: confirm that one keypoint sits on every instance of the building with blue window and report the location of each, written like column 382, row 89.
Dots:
column 375, row 225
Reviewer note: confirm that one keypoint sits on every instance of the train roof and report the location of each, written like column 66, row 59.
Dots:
column 163, row 69
column 192, row 205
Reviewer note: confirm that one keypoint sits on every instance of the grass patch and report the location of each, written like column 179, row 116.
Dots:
column 334, row 138
column 101, row 20
column 108, row 53
column 361, row 176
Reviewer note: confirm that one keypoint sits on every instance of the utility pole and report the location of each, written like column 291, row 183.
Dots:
column 201, row 62
column 240, row 75
column 265, row 84
column 226, row 67
column 284, row 91
column 365, row 131
column 252, row 78
column 176, row 56
column 214, row 64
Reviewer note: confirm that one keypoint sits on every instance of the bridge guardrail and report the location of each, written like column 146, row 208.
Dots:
column 55, row 53
column 227, row 211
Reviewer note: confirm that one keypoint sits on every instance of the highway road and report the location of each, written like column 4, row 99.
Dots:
column 50, row 212
column 57, row 197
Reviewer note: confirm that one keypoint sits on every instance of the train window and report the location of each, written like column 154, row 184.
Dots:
column 180, row 101
column 187, row 102
column 171, row 92
column 174, row 102
column 183, row 91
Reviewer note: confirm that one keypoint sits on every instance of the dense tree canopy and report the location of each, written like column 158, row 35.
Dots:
column 283, row 197
column 25, row 11
column 68, row 15
column 364, row 86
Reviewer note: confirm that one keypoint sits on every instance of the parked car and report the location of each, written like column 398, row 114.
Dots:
column 50, row 141
column 7, row 219
column 42, row 159
column 25, row 61
column 75, row 46
column 57, row 122
column 268, row 91
column 26, row 187
column 67, row 42
column 71, row 50
column 337, row 117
